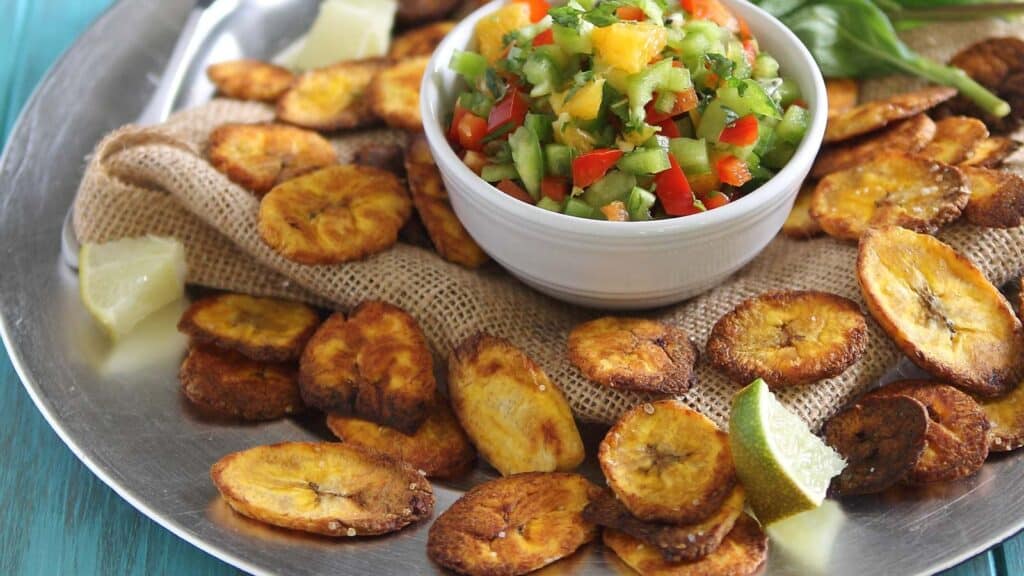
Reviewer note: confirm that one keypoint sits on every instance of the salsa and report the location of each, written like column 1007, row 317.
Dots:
column 623, row 110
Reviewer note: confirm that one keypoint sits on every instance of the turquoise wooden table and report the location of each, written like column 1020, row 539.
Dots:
column 55, row 516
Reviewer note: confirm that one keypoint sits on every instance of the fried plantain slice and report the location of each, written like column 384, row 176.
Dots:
column 332, row 98
column 800, row 225
column 668, row 463
column 513, row 525
column 872, row 116
column 395, row 93
column 955, row 139
column 742, row 553
column 956, row 442
column 1005, row 416
column 788, row 338
column 250, row 79
column 228, row 384
column 419, row 11
column 375, row 365
column 633, row 354
column 260, row 156
column 992, row 152
column 388, row 157
column 896, row 189
column 843, row 94
column 439, row 447
column 908, row 135
column 334, row 215
column 265, row 329
column 514, row 415
column 940, row 310
column 881, row 440
column 449, row 237
column 420, row 41
column 325, row 488
column 997, row 64
column 997, row 198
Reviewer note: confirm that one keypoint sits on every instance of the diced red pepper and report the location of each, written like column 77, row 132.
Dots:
column 538, row 9
column 669, row 128
column 712, row 10
column 685, row 101
column 750, row 50
column 555, row 187
column 715, row 200
column 471, row 131
column 630, row 13
column 733, row 171
column 509, row 113
column 457, row 114
column 544, row 38
column 742, row 132
column 515, row 190
column 616, row 212
column 674, row 191
column 592, row 166
column 801, row 103
column 745, row 32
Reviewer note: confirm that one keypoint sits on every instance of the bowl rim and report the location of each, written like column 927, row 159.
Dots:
column 749, row 207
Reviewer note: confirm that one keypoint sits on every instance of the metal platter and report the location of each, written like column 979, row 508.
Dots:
column 120, row 411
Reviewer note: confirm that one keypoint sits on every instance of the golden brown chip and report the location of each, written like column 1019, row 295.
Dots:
column 419, row 11
column 843, row 94
column 997, row 198
column 992, row 152
column 956, row 443
column 881, row 440
column 375, row 365
column 395, row 93
column 250, row 79
column 742, row 553
column 260, row 156
column 228, row 384
column 955, row 139
column 940, row 310
column 896, row 189
column 388, row 157
column 513, row 525
column 420, row 41
column 668, row 463
column 1005, row 416
column 788, row 338
column 332, row 98
column 908, row 135
column 334, row 215
column 997, row 64
column 325, row 488
column 265, row 329
column 439, row 447
column 872, row 116
column 800, row 225
column 515, row 416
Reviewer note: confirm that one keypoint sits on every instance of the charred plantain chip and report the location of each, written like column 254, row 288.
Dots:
column 896, row 189
column 788, row 338
column 992, row 152
column 228, row 384
column 997, row 64
column 940, row 310
column 515, row 416
column 908, row 135
column 375, row 365
column 395, row 93
column 332, row 98
column 876, row 115
column 260, row 156
column 334, row 215
column 843, row 94
column 1005, row 416
column 668, row 463
column 633, row 354
column 955, row 139
column 420, row 41
column 419, row 11
column 387, row 157
column 439, row 447
column 800, row 225
column 265, row 329
column 250, row 80
column 325, row 488
column 743, row 552
column 881, row 440
column 997, row 198
column 956, row 442
column 513, row 525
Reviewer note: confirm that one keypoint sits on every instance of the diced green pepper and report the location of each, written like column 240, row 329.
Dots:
column 748, row 97
column 692, row 155
column 639, row 204
column 645, row 161
column 793, row 125
column 541, row 71
column 663, row 77
column 734, row 51
column 765, row 67
column 572, row 40
column 779, row 156
column 580, row 209
column 528, row 159
column 787, row 93
column 476, row 102
column 558, row 159
column 549, row 204
column 614, row 186
column 469, row 65
column 714, row 119
column 499, row 172
column 541, row 124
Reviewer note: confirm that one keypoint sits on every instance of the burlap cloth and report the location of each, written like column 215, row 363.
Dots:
column 156, row 181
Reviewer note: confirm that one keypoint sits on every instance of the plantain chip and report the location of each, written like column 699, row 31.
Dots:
column 517, row 419
column 395, row 93
column 387, row 157
column 881, row 440
column 419, row 11
column 332, row 98
column 1005, row 416
column 250, row 80
column 896, row 189
column 513, row 525
column 676, row 542
column 800, row 225
column 743, row 552
column 258, row 157
column 334, row 215
column 265, row 329
column 997, row 198
column 908, row 135
column 843, row 94
column 228, row 384
column 992, row 152
column 324, row 488
column 429, row 196
column 420, row 41
column 997, row 64
column 940, row 310
column 668, row 463
column 788, row 338
column 955, row 139
column 439, row 447
column 872, row 116
column 956, row 442
column 375, row 365
column 633, row 354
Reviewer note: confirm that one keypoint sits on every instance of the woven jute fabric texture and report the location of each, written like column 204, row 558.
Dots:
column 157, row 181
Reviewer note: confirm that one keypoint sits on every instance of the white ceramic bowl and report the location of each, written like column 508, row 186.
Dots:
column 623, row 265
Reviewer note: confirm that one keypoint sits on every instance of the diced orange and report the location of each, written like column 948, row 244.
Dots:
column 629, row 46
column 491, row 30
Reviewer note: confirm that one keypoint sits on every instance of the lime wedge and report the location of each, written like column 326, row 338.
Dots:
column 123, row 282
column 784, row 468
column 347, row 30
